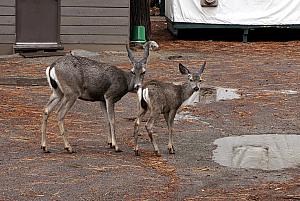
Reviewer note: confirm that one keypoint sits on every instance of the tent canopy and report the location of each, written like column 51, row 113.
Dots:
column 238, row 12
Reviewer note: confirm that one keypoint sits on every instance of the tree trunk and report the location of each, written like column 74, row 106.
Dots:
column 140, row 16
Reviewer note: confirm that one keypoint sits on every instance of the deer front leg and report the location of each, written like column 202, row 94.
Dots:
column 149, row 128
column 65, row 106
column 53, row 101
column 111, row 118
column 104, row 110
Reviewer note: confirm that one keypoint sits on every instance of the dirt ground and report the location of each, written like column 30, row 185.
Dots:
column 95, row 172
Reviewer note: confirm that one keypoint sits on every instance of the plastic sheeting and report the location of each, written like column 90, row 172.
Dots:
column 237, row 12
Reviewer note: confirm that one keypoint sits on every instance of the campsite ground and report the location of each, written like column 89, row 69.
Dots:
column 261, row 71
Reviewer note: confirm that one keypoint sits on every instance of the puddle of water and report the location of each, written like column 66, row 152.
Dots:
column 212, row 94
column 287, row 92
column 195, row 98
column 188, row 116
column 185, row 116
column 227, row 94
column 267, row 152
column 84, row 53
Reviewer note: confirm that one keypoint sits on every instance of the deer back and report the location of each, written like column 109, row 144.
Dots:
column 90, row 79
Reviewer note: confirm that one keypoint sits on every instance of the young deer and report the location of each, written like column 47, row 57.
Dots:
column 164, row 98
column 73, row 77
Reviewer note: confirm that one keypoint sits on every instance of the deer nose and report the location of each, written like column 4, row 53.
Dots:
column 196, row 89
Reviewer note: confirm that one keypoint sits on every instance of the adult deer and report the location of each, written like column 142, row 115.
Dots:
column 73, row 77
column 164, row 98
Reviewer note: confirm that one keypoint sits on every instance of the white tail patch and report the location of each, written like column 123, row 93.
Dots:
column 48, row 76
column 146, row 95
column 52, row 74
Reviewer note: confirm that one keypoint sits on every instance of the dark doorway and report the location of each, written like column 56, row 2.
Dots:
column 37, row 24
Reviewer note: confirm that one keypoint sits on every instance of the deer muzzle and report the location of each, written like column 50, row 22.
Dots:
column 137, row 86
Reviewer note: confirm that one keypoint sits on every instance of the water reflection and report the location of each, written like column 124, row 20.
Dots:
column 267, row 152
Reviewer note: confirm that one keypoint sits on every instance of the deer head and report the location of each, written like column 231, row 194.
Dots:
column 194, row 79
column 138, row 67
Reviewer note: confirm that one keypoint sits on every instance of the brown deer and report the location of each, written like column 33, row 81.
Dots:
column 164, row 98
column 72, row 77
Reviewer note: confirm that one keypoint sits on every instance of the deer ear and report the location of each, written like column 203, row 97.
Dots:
column 202, row 68
column 183, row 70
column 130, row 54
column 146, row 53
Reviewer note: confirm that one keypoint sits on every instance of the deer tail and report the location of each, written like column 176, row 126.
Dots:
column 51, row 81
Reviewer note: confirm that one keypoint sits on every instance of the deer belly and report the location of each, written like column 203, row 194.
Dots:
column 92, row 95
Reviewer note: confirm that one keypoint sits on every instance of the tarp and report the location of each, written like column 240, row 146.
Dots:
column 237, row 12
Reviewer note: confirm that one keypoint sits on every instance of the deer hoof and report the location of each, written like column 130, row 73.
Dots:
column 171, row 150
column 118, row 150
column 137, row 153
column 157, row 153
column 45, row 150
column 112, row 146
column 70, row 150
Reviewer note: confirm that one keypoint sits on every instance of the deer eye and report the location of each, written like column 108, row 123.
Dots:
column 143, row 73
column 132, row 72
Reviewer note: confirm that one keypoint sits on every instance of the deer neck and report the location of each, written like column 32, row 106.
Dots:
column 186, row 91
column 129, row 78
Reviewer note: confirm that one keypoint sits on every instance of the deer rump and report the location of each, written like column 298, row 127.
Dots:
column 159, row 94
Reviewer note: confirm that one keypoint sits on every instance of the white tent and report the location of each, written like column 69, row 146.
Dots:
column 236, row 13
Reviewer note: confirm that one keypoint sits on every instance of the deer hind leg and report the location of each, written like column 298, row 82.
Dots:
column 66, row 104
column 149, row 127
column 137, row 123
column 169, row 117
column 54, row 99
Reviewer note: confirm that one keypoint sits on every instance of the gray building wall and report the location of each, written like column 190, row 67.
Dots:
column 94, row 24
column 7, row 26
column 86, row 24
